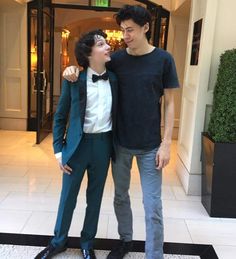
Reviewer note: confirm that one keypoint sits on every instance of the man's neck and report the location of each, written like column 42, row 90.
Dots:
column 142, row 50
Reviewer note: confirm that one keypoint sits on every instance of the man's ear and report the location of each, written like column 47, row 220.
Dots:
column 146, row 27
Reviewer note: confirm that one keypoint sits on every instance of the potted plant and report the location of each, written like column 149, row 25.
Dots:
column 219, row 144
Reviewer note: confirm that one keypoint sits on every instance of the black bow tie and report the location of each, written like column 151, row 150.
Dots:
column 104, row 76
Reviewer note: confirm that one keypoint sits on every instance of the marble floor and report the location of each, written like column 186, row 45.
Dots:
column 30, row 183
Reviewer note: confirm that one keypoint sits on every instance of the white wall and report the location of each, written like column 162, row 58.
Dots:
column 13, row 66
column 225, row 34
column 167, row 4
column 176, row 4
column 170, row 5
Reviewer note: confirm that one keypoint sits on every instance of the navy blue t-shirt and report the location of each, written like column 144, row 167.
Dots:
column 141, row 81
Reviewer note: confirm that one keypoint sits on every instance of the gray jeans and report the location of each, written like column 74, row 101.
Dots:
column 151, row 180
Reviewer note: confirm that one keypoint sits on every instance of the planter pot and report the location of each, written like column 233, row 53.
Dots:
column 218, row 178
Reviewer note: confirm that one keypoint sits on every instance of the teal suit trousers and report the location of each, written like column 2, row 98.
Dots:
column 92, row 155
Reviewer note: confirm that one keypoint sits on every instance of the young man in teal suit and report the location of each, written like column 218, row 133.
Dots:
column 83, row 140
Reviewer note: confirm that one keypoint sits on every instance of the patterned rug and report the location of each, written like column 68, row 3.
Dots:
column 29, row 252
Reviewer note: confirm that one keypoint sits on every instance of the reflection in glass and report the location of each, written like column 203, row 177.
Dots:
column 163, row 31
column 64, row 48
column 46, row 68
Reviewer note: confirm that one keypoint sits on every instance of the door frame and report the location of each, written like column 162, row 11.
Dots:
column 42, row 127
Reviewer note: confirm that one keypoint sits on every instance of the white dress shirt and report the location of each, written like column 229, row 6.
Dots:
column 98, row 106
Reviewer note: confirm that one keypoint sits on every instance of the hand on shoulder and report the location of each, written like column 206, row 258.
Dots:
column 71, row 73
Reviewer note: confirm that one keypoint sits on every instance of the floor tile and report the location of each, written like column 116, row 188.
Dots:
column 43, row 223
column 40, row 223
column 167, row 193
column 184, row 210
column 23, row 187
column 170, row 179
column 112, row 231
column 171, row 227
column 23, row 184
column 107, row 205
column 212, row 232
column 13, row 170
column 44, row 171
column 77, row 225
column 176, row 231
column 180, row 194
column 225, row 252
column 12, row 221
column 136, row 190
column 34, row 180
column 3, row 194
column 54, row 186
column 5, row 159
column 137, row 207
column 30, row 201
column 139, row 228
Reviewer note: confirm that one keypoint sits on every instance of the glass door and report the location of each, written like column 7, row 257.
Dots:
column 160, row 24
column 40, row 15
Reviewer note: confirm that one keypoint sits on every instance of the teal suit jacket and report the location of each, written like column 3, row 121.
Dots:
column 70, row 114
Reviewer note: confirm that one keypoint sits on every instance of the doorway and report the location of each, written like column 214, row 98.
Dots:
column 53, row 28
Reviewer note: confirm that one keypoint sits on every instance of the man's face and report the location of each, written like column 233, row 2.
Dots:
column 134, row 35
column 100, row 51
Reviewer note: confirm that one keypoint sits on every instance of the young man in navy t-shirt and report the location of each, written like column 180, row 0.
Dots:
column 145, row 74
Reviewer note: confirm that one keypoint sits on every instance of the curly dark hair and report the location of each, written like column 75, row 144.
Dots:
column 137, row 13
column 83, row 46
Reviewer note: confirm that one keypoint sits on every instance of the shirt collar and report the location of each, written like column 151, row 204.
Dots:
column 90, row 72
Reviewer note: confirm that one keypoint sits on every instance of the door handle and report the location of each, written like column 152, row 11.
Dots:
column 34, row 84
column 44, row 82
column 43, row 73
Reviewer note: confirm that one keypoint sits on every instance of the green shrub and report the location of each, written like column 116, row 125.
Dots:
column 222, row 125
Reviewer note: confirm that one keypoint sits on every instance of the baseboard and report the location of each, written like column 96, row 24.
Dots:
column 13, row 124
column 190, row 182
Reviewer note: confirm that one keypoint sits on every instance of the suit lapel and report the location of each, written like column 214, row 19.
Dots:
column 113, row 83
column 82, row 95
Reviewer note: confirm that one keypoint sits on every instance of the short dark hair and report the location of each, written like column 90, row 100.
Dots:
column 83, row 46
column 137, row 13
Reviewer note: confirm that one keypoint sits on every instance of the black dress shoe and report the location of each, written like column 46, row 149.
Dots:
column 49, row 252
column 121, row 250
column 88, row 254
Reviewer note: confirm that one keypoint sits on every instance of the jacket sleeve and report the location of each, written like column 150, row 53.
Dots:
column 61, row 117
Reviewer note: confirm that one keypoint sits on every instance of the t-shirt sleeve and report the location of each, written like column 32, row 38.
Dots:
column 170, row 78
